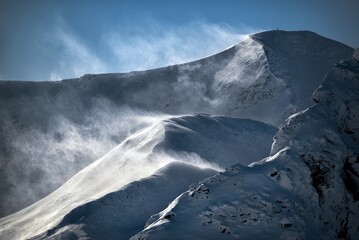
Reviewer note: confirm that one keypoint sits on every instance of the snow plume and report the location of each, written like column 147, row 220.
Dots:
column 142, row 48
column 189, row 157
column 248, row 64
column 45, row 160
column 175, row 45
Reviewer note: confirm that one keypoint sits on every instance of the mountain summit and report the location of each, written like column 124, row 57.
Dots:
column 306, row 189
column 105, row 141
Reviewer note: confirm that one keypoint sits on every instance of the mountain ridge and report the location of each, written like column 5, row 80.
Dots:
column 238, row 82
column 313, row 168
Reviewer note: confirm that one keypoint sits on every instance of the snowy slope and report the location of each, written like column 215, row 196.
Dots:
column 140, row 156
column 306, row 189
column 121, row 214
column 266, row 77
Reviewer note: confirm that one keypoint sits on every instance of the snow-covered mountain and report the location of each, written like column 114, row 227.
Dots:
column 186, row 139
column 267, row 77
column 125, row 148
column 306, row 189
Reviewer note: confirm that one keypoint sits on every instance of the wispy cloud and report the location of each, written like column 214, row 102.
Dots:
column 76, row 58
column 156, row 46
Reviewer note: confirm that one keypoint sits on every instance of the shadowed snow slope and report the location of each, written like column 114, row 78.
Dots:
column 267, row 77
column 220, row 140
column 182, row 139
column 306, row 189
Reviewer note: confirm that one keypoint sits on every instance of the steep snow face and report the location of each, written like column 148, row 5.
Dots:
column 300, row 59
column 267, row 77
column 246, row 87
column 327, row 139
column 138, row 157
column 306, row 189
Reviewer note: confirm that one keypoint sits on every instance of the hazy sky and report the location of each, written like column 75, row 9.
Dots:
column 55, row 39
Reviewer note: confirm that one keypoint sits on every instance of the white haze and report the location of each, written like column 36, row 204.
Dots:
column 52, row 157
column 45, row 160
column 155, row 46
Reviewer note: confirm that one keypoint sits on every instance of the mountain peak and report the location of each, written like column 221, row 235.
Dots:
column 282, row 35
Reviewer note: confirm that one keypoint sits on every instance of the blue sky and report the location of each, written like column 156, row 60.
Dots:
column 53, row 39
